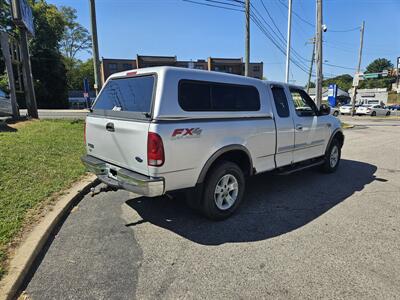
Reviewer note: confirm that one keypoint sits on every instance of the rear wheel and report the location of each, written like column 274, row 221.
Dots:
column 332, row 157
column 223, row 191
column 373, row 114
column 388, row 113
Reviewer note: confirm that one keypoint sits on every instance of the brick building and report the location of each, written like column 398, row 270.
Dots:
column 227, row 65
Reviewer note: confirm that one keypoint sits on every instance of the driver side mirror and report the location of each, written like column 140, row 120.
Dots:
column 7, row 96
column 324, row 110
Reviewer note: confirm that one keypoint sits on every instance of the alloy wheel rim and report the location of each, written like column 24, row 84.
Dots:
column 226, row 192
column 334, row 157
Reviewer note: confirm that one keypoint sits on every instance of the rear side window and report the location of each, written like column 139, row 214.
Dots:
column 281, row 102
column 132, row 94
column 212, row 96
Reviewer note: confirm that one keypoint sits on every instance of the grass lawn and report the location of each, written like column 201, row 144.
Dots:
column 37, row 159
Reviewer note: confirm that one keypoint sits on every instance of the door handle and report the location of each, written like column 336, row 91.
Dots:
column 299, row 127
column 110, row 127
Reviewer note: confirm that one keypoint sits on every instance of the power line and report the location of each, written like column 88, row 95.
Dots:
column 269, row 15
column 224, row 3
column 297, row 15
column 337, row 66
column 212, row 5
column 274, row 42
column 346, row 30
column 281, row 38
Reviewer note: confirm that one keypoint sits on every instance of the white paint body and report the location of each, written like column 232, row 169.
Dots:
column 374, row 110
column 271, row 141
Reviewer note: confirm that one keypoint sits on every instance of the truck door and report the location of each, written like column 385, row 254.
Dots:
column 311, row 131
column 284, row 127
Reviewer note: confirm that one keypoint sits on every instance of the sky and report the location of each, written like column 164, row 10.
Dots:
column 191, row 31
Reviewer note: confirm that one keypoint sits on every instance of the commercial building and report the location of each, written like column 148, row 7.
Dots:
column 227, row 65
column 378, row 94
column 110, row 66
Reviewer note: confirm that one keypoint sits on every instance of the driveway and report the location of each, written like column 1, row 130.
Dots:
column 306, row 235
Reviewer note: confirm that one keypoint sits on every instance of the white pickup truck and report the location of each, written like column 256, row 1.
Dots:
column 158, row 130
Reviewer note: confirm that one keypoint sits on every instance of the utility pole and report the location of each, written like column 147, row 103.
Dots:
column 353, row 100
column 95, row 47
column 289, row 29
column 318, row 45
column 311, row 65
column 247, row 42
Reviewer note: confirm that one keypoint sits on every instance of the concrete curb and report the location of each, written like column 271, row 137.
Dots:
column 29, row 250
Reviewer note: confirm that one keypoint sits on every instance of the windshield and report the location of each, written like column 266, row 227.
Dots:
column 133, row 94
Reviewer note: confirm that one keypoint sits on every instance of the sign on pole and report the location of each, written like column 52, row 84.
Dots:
column 371, row 75
column 332, row 93
column 357, row 78
column 86, row 92
column 4, row 43
column 22, row 15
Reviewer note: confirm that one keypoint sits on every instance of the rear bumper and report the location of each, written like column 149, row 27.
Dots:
column 123, row 178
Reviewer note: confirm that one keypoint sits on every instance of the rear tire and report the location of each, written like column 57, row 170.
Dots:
column 373, row 114
column 223, row 191
column 332, row 157
column 388, row 113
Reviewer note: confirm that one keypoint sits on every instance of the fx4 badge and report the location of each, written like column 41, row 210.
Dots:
column 181, row 133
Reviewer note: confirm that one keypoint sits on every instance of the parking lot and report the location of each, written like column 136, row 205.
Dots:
column 306, row 235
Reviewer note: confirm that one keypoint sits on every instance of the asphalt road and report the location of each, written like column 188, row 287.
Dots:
column 306, row 235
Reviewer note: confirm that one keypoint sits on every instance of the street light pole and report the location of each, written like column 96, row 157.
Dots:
column 288, row 40
column 95, row 47
column 247, row 42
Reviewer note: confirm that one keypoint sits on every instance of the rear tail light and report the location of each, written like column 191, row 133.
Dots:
column 155, row 150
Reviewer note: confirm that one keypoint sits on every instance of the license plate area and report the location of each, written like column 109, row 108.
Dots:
column 112, row 171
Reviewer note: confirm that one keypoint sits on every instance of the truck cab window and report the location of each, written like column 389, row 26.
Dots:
column 280, row 101
column 303, row 104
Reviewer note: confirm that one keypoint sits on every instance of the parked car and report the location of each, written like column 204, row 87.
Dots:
column 335, row 111
column 346, row 109
column 394, row 107
column 5, row 104
column 372, row 110
column 157, row 130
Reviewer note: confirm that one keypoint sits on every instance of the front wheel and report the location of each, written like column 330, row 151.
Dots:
column 223, row 191
column 336, row 113
column 332, row 157
column 388, row 113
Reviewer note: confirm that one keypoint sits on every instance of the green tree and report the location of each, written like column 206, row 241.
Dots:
column 377, row 83
column 78, row 72
column 378, row 65
column 76, row 38
column 48, row 69
column 344, row 81
column 312, row 85
column 5, row 16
